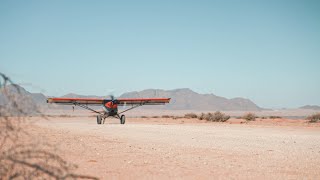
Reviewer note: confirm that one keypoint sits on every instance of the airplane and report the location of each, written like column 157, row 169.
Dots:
column 110, row 106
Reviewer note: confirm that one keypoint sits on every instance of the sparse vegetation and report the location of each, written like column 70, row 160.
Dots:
column 314, row 118
column 177, row 117
column 166, row 116
column 190, row 115
column 202, row 116
column 155, row 116
column 214, row 117
column 65, row 115
column 275, row 117
column 249, row 117
column 144, row 117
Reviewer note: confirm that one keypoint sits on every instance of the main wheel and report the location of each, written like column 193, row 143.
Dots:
column 123, row 119
column 99, row 119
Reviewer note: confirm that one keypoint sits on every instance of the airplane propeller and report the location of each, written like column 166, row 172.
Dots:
column 112, row 97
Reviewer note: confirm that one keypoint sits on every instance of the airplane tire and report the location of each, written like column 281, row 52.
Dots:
column 99, row 119
column 123, row 119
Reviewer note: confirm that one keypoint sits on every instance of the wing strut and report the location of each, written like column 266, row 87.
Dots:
column 86, row 107
column 132, row 108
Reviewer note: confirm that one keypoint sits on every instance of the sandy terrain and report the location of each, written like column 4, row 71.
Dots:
column 187, row 149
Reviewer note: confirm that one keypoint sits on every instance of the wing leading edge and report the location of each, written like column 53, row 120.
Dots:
column 120, row 102
column 87, row 101
column 143, row 101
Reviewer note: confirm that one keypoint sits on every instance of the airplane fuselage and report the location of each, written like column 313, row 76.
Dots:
column 110, row 108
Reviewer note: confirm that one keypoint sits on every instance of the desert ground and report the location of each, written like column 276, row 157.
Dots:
column 160, row 148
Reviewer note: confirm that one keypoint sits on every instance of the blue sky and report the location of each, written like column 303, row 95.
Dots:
column 267, row 51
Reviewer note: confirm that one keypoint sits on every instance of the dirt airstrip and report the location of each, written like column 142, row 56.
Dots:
column 186, row 149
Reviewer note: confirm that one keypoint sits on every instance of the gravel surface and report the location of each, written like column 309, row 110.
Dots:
column 140, row 150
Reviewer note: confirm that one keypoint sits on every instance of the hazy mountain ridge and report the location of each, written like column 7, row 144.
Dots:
column 30, row 102
column 20, row 92
column 181, row 99
column 311, row 107
column 186, row 99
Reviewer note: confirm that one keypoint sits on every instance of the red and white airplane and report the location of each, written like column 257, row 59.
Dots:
column 110, row 106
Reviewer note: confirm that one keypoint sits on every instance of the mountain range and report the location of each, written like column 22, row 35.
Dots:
column 311, row 107
column 181, row 99
column 186, row 99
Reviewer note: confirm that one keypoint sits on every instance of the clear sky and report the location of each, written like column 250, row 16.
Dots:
column 267, row 51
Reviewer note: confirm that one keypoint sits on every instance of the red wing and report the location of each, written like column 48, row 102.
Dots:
column 143, row 101
column 89, row 101
column 95, row 101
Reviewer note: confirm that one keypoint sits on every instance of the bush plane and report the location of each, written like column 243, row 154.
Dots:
column 110, row 106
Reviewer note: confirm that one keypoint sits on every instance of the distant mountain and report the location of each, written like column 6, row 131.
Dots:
column 311, row 107
column 186, row 99
column 29, row 102
column 181, row 99
column 23, row 95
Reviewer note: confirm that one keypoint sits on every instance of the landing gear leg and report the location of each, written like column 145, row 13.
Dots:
column 122, row 119
column 99, row 119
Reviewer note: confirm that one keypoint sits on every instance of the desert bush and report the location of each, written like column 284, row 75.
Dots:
column 177, row 117
column 190, row 115
column 66, row 115
column 275, row 117
column 249, row 117
column 220, row 117
column 144, row 117
column 155, row 116
column 166, row 116
column 202, row 116
column 314, row 118
column 214, row 117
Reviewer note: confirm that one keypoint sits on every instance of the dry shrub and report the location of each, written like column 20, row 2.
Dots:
column 275, row 117
column 68, row 116
column 144, row 117
column 155, row 116
column 249, row 117
column 177, row 117
column 22, row 155
column 214, row 117
column 166, row 116
column 314, row 118
column 190, row 115
column 202, row 116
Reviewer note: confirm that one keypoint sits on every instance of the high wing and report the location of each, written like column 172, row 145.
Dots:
column 142, row 101
column 70, row 101
column 120, row 102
